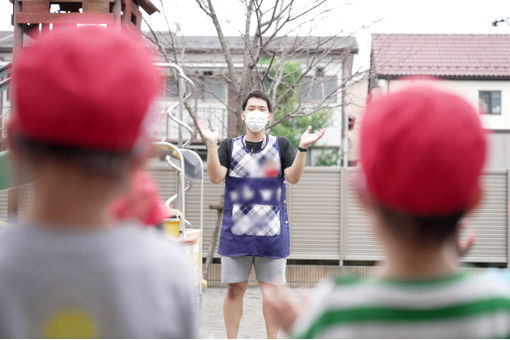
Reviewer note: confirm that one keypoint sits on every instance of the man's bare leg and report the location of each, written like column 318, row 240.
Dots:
column 271, row 325
column 233, row 307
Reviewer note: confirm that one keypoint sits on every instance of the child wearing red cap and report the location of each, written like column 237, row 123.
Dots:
column 422, row 153
column 141, row 203
column 84, row 99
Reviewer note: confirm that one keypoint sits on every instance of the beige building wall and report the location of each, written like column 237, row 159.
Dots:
column 356, row 98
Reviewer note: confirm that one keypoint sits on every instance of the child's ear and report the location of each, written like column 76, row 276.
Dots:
column 463, row 246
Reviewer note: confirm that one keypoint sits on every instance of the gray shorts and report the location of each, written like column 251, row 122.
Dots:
column 238, row 269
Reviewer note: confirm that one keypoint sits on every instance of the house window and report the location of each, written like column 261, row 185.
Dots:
column 319, row 88
column 490, row 102
column 211, row 88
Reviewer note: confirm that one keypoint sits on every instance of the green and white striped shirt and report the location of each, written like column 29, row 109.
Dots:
column 461, row 306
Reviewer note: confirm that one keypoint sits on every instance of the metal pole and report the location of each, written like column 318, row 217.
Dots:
column 182, row 89
column 345, row 123
column 345, row 141
column 166, row 139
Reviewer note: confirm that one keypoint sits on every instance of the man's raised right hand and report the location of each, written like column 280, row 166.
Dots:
column 211, row 137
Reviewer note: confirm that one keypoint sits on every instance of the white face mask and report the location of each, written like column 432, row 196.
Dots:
column 256, row 120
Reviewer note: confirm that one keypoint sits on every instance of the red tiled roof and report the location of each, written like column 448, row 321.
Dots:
column 441, row 55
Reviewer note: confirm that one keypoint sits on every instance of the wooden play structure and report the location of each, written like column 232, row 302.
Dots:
column 32, row 18
column 37, row 16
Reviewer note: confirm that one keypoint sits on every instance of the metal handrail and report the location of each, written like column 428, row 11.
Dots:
column 180, row 175
column 181, row 74
column 183, row 124
column 189, row 87
column 4, row 83
column 201, row 186
column 5, row 72
column 5, row 69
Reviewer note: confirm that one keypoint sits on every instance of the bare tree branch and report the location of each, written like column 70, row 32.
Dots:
column 163, row 52
column 224, row 46
column 248, row 63
column 172, row 43
column 203, row 7
column 265, row 22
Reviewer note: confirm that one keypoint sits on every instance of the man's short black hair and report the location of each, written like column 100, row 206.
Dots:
column 258, row 94
column 108, row 164
column 418, row 230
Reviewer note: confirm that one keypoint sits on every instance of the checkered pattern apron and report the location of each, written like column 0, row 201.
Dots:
column 255, row 218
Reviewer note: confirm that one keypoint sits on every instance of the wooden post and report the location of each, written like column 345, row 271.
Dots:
column 12, row 194
column 214, row 238
column 18, row 31
column 128, row 5
column 117, row 12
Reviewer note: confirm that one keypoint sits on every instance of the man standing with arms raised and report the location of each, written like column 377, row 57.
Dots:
column 255, row 229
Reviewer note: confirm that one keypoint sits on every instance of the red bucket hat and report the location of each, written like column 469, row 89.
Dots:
column 88, row 87
column 422, row 151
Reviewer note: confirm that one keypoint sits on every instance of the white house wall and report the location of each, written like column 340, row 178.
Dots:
column 498, row 126
column 469, row 90
column 332, row 136
column 355, row 102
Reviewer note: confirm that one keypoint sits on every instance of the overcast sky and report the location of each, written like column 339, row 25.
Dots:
column 358, row 17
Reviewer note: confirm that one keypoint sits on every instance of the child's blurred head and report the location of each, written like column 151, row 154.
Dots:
column 422, row 154
column 84, row 97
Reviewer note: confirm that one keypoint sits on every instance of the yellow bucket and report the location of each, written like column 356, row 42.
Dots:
column 172, row 226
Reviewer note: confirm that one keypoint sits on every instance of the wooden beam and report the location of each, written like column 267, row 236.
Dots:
column 148, row 6
column 58, row 2
column 57, row 18
column 35, row 7
column 96, row 6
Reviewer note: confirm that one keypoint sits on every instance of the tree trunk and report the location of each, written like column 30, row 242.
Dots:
column 240, row 128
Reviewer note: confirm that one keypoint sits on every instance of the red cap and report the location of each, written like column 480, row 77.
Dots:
column 422, row 151
column 142, row 202
column 88, row 87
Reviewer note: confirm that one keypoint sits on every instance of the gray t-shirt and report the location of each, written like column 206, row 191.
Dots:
column 121, row 282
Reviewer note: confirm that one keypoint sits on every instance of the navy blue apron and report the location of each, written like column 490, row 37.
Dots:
column 255, row 221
